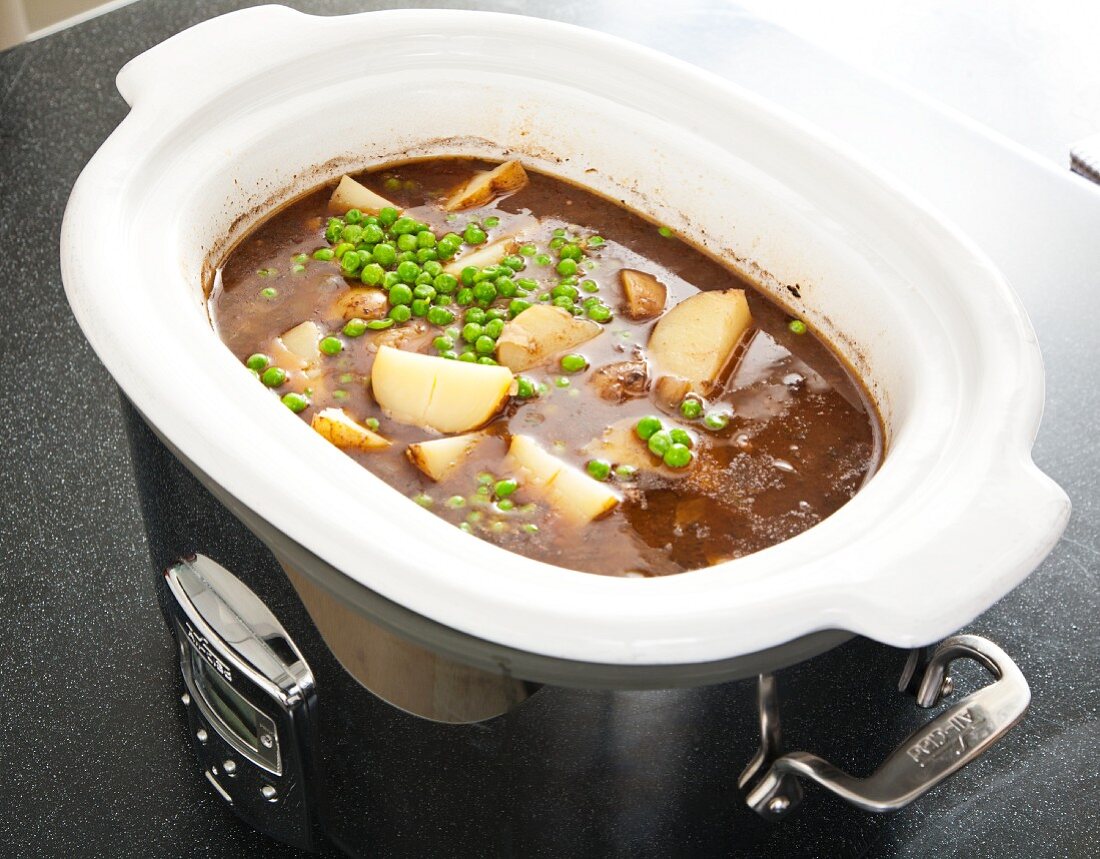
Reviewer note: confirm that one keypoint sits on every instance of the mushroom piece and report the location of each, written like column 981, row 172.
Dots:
column 617, row 383
column 361, row 302
column 645, row 295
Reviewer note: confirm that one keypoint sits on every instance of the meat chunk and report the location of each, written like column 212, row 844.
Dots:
column 620, row 382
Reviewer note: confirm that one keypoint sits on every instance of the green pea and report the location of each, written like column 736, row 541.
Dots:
column 433, row 267
column 371, row 424
column 516, row 306
column 474, row 235
column 406, row 242
column 506, row 287
column 425, row 279
column 485, row 292
column 295, row 402
column 626, row 472
column 331, row 346
column 384, row 254
column 373, row 234
column 424, row 255
column 572, row 252
column 449, row 354
column 423, row 499
column 557, row 242
column 596, row 241
column 716, row 421
column 423, row 290
column 543, row 259
column 563, row 301
column 372, row 274
column 494, row 328
column 562, row 382
column 404, row 225
column 475, row 314
column 691, row 409
column 505, row 487
column 400, row 294
column 660, row 442
column 445, row 283
column 350, row 262
column 565, row 289
column 300, row 258
column 342, row 249
column 468, row 357
column 682, row 436
column 390, row 279
column 455, row 502
column 485, row 345
column 528, row 250
column 355, row 327
column 440, row 316
column 381, row 324
column 443, row 343
column 496, row 313
column 505, row 504
column 407, row 271
column 647, row 426
column 665, row 231
column 530, row 527
column 525, row 388
column 324, row 253
column 599, row 313
column 352, row 233
column 797, row 326
column 598, row 468
column 677, row 456
column 400, row 313
column 485, row 359
column 514, row 262
column 425, row 239
column 567, row 267
column 573, row 363
column 491, row 221
column 258, row 361
column 273, row 377
column 464, row 297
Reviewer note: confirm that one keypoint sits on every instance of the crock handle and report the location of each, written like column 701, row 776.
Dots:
column 205, row 57
column 928, row 756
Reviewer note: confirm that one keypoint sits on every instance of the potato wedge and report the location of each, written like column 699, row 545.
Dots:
column 483, row 188
column 441, row 456
column 692, row 345
column 645, row 295
column 350, row 194
column 361, row 302
column 539, row 333
column 342, row 431
column 485, row 256
column 302, row 340
column 572, row 493
column 435, row 393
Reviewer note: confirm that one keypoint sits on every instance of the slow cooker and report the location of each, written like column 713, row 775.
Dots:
column 336, row 672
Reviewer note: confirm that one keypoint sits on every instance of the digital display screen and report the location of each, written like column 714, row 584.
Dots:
column 235, row 712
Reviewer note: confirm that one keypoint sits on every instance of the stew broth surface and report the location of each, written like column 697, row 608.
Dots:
column 802, row 435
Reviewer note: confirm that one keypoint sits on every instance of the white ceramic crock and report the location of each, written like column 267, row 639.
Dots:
column 248, row 110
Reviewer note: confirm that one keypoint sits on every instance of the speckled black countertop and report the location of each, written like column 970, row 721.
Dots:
column 93, row 755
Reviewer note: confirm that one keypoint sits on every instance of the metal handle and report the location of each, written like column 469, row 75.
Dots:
column 928, row 756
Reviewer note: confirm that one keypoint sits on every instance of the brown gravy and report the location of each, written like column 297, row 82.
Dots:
column 802, row 436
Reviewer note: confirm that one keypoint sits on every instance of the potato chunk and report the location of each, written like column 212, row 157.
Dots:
column 439, row 457
column 572, row 493
column 302, row 340
column 483, row 188
column 435, row 393
column 349, row 194
column 485, row 256
column 539, row 333
column 692, row 345
column 361, row 302
column 645, row 295
column 342, row 431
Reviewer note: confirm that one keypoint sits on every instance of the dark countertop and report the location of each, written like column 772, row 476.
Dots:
column 94, row 756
